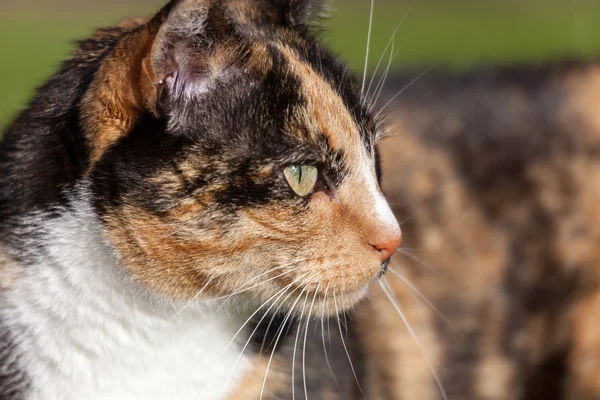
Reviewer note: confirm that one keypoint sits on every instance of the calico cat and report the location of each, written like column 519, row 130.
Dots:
column 189, row 189
column 188, row 194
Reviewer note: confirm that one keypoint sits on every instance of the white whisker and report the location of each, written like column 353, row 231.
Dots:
column 362, row 90
column 256, row 328
column 392, row 38
column 422, row 297
column 381, row 83
column 259, row 308
column 405, row 220
column 227, row 296
column 391, row 296
column 346, row 348
column 403, row 89
column 304, row 347
column 262, row 390
column 391, row 41
column 415, row 258
column 345, row 322
column 295, row 347
column 191, row 301
column 324, row 346
column 262, row 346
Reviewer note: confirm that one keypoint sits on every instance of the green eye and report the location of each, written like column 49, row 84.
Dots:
column 302, row 178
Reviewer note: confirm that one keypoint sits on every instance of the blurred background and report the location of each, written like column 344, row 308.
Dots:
column 35, row 35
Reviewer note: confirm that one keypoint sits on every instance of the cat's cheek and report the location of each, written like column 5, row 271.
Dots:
column 329, row 207
column 322, row 201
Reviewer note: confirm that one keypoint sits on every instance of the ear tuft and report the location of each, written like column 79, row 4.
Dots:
column 308, row 12
column 267, row 15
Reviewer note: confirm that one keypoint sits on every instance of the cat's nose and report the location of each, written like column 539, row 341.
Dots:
column 388, row 243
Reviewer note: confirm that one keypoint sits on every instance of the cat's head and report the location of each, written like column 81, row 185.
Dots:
column 231, row 152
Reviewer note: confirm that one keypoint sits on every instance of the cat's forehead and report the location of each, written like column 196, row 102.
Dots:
column 327, row 104
column 282, row 96
column 324, row 111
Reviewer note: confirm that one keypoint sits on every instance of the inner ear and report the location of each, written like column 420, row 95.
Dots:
column 182, row 60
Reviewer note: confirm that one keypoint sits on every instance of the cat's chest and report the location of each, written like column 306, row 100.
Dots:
column 136, row 357
column 84, row 330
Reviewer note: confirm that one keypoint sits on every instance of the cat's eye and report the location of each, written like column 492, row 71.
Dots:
column 301, row 178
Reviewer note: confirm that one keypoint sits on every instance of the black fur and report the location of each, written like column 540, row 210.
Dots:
column 43, row 153
column 14, row 384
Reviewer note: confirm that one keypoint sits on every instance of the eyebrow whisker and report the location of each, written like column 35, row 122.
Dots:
column 404, row 88
column 362, row 90
column 392, row 38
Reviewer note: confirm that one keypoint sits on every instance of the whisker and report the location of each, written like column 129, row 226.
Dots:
column 276, row 332
column 262, row 346
column 304, row 347
column 277, row 342
column 329, row 333
column 191, row 301
column 263, row 282
column 394, row 129
column 423, row 298
column 405, row 87
column 230, row 296
column 259, row 308
column 405, row 220
column 239, row 291
column 392, row 57
column 397, row 204
column 362, row 90
column 346, row 348
column 345, row 322
column 381, row 59
column 392, row 297
column 324, row 346
column 295, row 347
column 381, row 84
column 256, row 328
column 415, row 258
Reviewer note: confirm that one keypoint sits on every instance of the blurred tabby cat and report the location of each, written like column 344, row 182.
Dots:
column 497, row 174
column 188, row 201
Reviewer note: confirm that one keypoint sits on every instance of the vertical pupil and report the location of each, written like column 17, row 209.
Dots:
column 299, row 174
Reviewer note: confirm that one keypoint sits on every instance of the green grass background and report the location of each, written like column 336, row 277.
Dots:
column 35, row 35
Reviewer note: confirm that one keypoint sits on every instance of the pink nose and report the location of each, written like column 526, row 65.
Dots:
column 388, row 245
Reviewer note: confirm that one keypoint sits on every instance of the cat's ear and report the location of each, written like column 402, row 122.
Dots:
column 181, row 61
column 303, row 12
column 252, row 14
column 153, row 64
column 192, row 39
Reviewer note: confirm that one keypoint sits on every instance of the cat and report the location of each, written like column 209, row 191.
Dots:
column 115, row 181
column 183, row 204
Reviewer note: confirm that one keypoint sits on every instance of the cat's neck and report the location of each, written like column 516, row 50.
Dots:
column 86, row 328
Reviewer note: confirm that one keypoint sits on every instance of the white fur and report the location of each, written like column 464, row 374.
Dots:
column 383, row 212
column 87, row 331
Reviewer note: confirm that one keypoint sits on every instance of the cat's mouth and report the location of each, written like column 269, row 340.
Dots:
column 384, row 267
column 327, row 300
